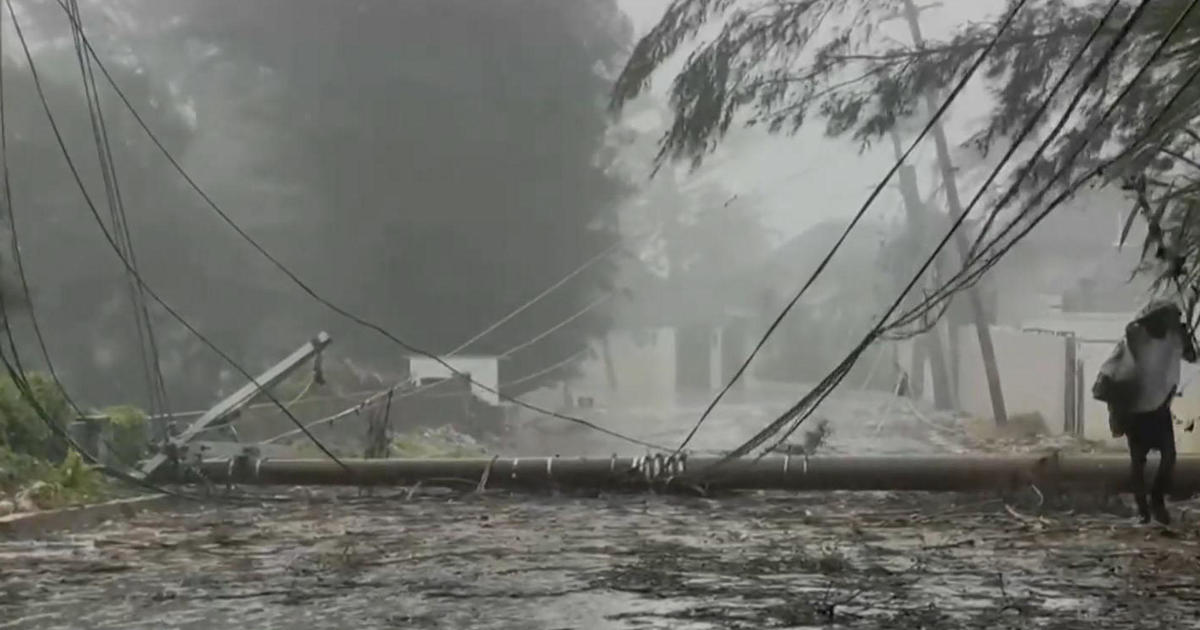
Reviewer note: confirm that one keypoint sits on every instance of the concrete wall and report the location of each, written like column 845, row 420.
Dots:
column 1186, row 407
column 1032, row 362
column 1187, row 410
column 1032, row 374
column 483, row 370
column 1097, row 333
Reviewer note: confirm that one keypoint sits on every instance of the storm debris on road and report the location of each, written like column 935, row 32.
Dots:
column 467, row 560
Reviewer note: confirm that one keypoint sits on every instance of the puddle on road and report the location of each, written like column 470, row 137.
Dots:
column 540, row 562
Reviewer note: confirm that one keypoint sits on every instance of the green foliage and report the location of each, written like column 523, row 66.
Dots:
column 22, row 430
column 75, row 478
column 35, row 466
column 435, row 443
column 130, row 432
column 766, row 66
column 38, row 483
column 20, row 469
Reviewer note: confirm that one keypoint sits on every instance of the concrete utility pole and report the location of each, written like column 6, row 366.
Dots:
column 232, row 404
column 986, row 350
column 936, row 473
column 928, row 345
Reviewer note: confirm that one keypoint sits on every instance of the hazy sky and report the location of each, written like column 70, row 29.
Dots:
column 803, row 179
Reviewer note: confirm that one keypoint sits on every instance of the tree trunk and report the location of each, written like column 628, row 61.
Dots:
column 929, row 344
column 987, row 351
column 916, row 370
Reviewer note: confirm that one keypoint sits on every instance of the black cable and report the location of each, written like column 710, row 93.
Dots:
column 1069, row 191
column 109, row 238
column 16, row 370
column 968, row 277
column 854, row 222
column 146, row 341
column 1086, row 85
column 805, row 407
column 1014, row 186
column 325, row 301
column 151, row 336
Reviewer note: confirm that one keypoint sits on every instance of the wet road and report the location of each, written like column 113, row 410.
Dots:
column 457, row 560
column 861, row 422
column 539, row 562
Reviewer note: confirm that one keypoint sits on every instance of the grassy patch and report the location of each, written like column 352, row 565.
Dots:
column 28, row 483
column 442, row 442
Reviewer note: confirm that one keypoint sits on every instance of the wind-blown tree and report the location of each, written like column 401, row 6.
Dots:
column 688, row 227
column 431, row 165
column 783, row 64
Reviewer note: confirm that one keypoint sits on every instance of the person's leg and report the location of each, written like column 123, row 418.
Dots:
column 1165, row 438
column 1137, row 461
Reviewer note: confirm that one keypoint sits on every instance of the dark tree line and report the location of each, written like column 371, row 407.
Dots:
column 429, row 165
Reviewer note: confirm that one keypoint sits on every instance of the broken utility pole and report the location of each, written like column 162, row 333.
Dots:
column 937, row 473
column 987, row 351
column 227, row 408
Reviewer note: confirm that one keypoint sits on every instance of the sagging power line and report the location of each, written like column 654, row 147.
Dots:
column 820, row 269
column 306, row 288
column 804, row 408
column 108, row 237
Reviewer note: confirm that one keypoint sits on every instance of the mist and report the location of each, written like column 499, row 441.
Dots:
column 431, row 167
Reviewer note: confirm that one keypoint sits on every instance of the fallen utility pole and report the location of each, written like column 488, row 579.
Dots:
column 229, row 407
column 926, row 473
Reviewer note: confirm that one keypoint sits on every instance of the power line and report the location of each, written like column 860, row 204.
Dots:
column 854, row 222
column 881, row 326
column 608, row 251
column 147, row 342
column 1030, row 125
column 962, row 278
column 318, row 297
column 559, row 326
column 546, row 370
column 372, row 396
column 117, row 250
column 541, row 372
column 808, row 404
column 14, row 368
column 390, row 391
column 387, row 393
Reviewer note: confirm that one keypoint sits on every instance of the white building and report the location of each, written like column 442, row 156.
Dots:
column 483, row 370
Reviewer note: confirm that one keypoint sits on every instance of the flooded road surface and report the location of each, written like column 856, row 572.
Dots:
column 467, row 561
column 460, row 560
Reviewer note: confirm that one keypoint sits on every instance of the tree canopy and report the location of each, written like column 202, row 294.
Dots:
column 783, row 64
